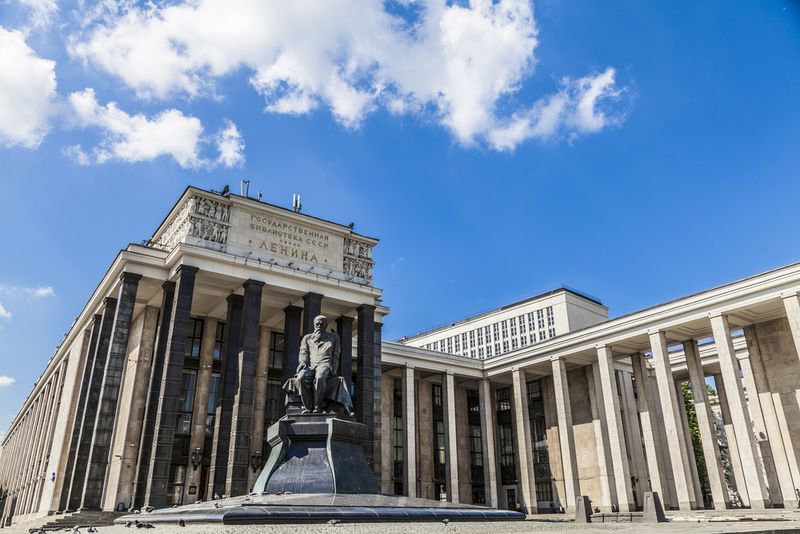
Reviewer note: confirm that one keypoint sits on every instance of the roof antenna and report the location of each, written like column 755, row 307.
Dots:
column 260, row 195
column 245, row 188
column 296, row 204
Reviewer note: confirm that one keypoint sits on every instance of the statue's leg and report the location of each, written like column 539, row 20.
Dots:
column 307, row 392
column 320, row 385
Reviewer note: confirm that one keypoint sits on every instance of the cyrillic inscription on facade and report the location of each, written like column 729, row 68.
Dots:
column 289, row 239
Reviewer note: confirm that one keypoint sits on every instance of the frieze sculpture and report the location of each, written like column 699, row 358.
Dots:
column 316, row 381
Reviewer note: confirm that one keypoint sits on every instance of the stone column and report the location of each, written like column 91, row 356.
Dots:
column 200, row 411
column 109, row 392
column 344, row 327
column 377, row 362
column 647, row 418
column 153, row 394
column 487, row 437
column 742, row 425
column 410, row 431
column 780, row 441
column 695, row 491
column 733, row 448
column 634, row 436
column 166, row 416
column 616, row 436
column 524, row 443
column 220, row 449
column 259, row 404
column 241, row 424
column 312, row 306
column 79, row 407
column 566, row 435
column 705, row 422
column 291, row 341
column 676, row 444
column 451, row 437
column 366, row 398
column 604, row 462
column 90, row 408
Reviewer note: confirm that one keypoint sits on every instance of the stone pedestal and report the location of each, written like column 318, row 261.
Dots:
column 316, row 454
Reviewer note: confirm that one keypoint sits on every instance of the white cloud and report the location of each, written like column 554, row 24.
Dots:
column 576, row 108
column 457, row 62
column 40, row 291
column 133, row 138
column 6, row 381
column 27, row 90
column 42, row 12
column 4, row 313
column 230, row 145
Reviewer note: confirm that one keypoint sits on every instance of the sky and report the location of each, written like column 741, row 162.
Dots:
column 635, row 151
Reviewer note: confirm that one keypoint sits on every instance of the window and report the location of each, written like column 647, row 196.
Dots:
column 513, row 327
column 541, row 335
column 488, row 350
column 471, row 353
column 514, row 343
column 523, row 340
column 276, row 354
column 194, row 338
column 480, row 336
column 439, row 455
column 397, row 434
column 551, row 332
column 540, row 318
column 464, row 340
column 450, row 345
column 541, row 460
column 480, row 352
column 458, row 344
column 497, row 348
column 504, row 328
column 550, row 318
column 521, row 320
column 177, row 481
column 219, row 339
column 531, row 324
column 186, row 402
column 472, row 339
column 495, row 332
column 505, row 345
column 486, row 330
column 211, row 408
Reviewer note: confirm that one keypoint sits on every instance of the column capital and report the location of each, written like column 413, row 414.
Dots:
column 789, row 294
column 234, row 298
column 656, row 331
column 168, row 285
column 409, row 366
column 292, row 309
column 189, row 269
column 127, row 276
column 250, row 282
column 312, row 295
column 717, row 314
column 365, row 308
column 110, row 301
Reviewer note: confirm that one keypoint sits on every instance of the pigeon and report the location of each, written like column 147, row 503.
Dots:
column 129, row 524
column 137, row 511
column 333, row 522
column 181, row 523
column 446, row 521
column 217, row 505
column 216, row 496
column 92, row 530
column 149, row 508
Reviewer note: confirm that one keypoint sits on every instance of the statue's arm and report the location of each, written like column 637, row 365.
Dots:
column 305, row 355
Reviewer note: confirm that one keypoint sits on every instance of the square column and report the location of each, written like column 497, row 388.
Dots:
column 312, row 306
column 599, row 427
column 109, row 392
column 344, row 327
column 487, row 442
column 409, row 431
column 259, row 406
column 220, row 445
column 79, row 407
column 676, row 445
column 200, row 411
column 737, row 482
column 695, row 492
column 743, row 427
column 779, row 439
column 566, row 435
column 705, row 418
column 242, row 414
column 166, row 416
column 634, row 436
column 90, row 408
column 524, row 444
column 367, row 398
column 451, row 437
column 153, row 394
column 616, row 436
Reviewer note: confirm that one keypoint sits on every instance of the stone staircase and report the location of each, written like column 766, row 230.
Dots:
column 84, row 519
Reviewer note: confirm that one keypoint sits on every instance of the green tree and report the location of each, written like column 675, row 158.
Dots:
column 694, row 432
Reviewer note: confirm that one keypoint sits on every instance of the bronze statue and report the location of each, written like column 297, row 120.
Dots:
column 316, row 379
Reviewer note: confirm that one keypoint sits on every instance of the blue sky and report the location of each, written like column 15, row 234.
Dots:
column 636, row 151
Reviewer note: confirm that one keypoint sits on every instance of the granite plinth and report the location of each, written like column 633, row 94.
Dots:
column 321, row 508
column 316, row 453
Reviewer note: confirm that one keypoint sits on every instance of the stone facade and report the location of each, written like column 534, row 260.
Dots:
column 164, row 387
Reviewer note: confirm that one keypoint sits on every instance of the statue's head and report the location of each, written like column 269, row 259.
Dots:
column 320, row 323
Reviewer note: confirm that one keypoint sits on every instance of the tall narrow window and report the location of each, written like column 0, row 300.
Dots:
column 186, row 402
column 439, row 451
column 195, row 337
column 541, row 459
column 276, row 352
column 397, row 428
column 475, row 446
column 508, row 466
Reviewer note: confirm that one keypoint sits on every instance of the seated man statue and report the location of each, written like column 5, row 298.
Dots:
column 316, row 379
